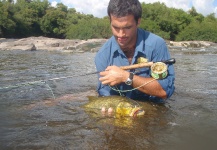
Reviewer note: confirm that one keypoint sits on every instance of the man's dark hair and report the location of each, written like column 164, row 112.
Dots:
column 121, row 8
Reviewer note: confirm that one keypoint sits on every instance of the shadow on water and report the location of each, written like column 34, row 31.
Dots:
column 32, row 119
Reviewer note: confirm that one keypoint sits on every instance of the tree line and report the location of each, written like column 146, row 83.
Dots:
column 25, row 18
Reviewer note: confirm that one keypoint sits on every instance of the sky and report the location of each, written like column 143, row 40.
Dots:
column 98, row 8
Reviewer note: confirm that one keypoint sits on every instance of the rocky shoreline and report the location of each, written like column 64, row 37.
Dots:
column 66, row 45
column 191, row 44
column 51, row 44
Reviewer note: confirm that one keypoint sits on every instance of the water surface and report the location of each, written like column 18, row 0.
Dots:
column 32, row 119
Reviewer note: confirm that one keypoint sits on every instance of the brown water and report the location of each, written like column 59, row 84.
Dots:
column 32, row 119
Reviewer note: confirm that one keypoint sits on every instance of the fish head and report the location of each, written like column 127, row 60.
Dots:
column 127, row 109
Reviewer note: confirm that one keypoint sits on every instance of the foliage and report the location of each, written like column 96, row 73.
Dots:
column 7, row 24
column 23, row 18
column 204, row 31
column 89, row 29
column 166, row 22
column 53, row 22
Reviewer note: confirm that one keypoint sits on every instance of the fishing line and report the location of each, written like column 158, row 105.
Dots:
column 50, row 90
column 155, row 75
column 34, row 83
column 23, row 84
column 124, row 91
column 42, row 82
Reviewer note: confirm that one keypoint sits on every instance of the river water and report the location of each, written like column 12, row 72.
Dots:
column 41, row 94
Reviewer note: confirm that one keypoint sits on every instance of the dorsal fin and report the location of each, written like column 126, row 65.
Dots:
column 91, row 98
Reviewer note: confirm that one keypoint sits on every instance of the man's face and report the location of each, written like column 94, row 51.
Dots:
column 125, row 30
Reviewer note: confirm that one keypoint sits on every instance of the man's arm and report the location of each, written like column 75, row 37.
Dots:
column 113, row 75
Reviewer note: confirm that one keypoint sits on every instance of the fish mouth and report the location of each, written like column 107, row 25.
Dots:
column 137, row 112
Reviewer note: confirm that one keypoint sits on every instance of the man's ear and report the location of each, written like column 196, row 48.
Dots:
column 138, row 23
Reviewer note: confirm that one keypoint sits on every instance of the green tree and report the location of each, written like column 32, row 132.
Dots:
column 205, row 31
column 72, row 17
column 40, row 8
column 7, row 25
column 211, row 17
column 197, row 16
column 53, row 23
column 89, row 28
column 27, row 14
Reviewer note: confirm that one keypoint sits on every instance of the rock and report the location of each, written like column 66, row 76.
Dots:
column 33, row 48
column 190, row 44
column 95, row 49
column 44, row 43
column 55, row 44
column 70, row 48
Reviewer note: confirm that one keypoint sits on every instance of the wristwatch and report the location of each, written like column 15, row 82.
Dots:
column 130, row 79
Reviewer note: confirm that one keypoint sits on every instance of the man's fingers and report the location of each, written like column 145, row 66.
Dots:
column 103, row 73
column 107, row 81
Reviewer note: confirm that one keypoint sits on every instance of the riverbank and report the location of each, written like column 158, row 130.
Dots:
column 191, row 44
column 50, row 44
column 75, row 45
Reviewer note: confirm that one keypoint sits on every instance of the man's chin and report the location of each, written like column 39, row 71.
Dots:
column 123, row 46
column 122, row 43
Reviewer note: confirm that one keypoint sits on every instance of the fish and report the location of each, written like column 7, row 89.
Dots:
column 120, row 105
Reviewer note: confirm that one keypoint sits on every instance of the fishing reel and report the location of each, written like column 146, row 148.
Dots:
column 158, row 69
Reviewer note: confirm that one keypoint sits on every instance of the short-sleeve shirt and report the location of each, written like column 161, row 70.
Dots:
column 149, row 46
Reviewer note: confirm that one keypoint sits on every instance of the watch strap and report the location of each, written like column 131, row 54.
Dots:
column 131, row 75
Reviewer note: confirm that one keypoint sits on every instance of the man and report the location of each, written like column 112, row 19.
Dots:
column 127, row 44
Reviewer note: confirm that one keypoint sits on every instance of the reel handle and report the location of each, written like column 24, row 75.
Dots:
column 170, row 61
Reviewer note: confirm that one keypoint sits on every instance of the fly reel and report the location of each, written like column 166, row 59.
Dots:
column 159, row 70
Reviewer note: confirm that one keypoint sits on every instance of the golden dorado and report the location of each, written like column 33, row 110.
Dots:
column 118, row 105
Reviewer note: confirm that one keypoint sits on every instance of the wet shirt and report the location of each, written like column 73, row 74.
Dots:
column 149, row 46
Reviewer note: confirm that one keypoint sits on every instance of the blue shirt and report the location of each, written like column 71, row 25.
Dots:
column 148, row 45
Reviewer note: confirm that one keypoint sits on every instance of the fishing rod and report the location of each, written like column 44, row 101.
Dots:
column 139, row 65
column 135, row 66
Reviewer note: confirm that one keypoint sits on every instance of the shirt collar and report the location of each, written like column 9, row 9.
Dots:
column 139, row 42
column 115, row 46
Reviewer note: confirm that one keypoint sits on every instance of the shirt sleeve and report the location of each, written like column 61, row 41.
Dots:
column 101, row 63
column 162, row 53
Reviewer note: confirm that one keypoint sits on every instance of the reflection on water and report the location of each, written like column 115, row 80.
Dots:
column 32, row 119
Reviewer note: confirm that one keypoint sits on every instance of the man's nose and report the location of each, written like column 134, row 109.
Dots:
column 121, row 33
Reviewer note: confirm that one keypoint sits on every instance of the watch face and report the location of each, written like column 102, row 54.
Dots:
column 128, row 82
column 130, row 79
